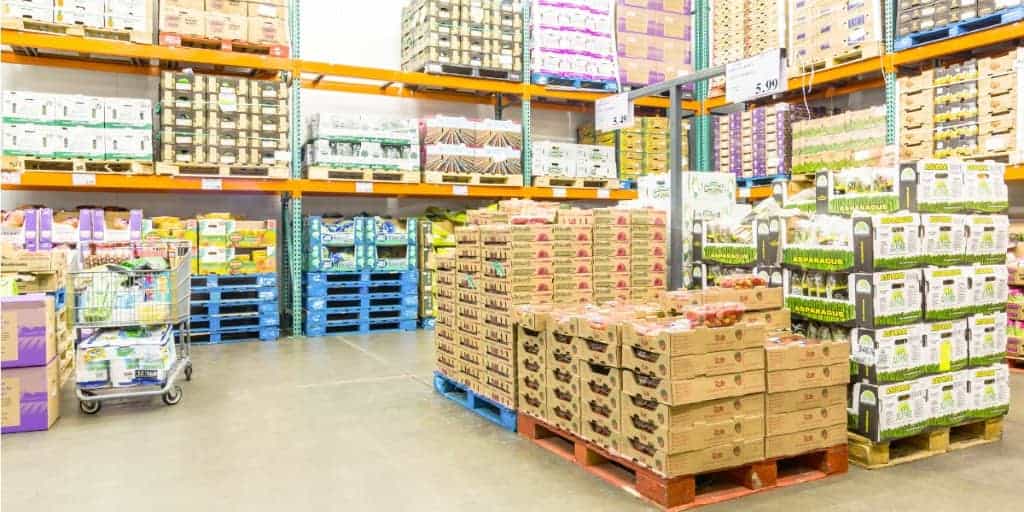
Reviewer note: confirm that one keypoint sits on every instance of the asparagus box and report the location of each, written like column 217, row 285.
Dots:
column 888, row 411
column 986, row 338
column 871, row 300
column 948, row 398
column 989, row 389
column 947, row 292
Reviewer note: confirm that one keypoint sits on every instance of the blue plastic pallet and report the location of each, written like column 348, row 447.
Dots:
column 235, row 296
column 484, row 407
column 393, row 288
column 359, row 327
column 60, row 297
column 959, row 28
column 347, row 303
column 233, row 282
column 428, row 323
column 236, row 334
column 331, row 318
column 234, row 307
column 220, row 322
column 574, row 83
column 760, row 180
column 627, row 184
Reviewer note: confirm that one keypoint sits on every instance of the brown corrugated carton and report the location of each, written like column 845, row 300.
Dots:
column 806, row 419
column 689, row 463
column 804, row 441
column 698, row 436
column 809, row 398
column 690, row 391
column 809, row 377
column 787, row 356
column 692, row 366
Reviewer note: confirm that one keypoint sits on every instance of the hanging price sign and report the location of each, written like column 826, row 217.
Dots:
column 755, row 77
column 613, row 113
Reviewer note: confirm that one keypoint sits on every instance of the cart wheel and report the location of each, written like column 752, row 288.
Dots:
column 173, row 396
column 188, row 371
column 90, row 406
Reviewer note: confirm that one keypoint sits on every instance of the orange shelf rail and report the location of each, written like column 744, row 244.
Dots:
column 1015, row 172
column 102, row 182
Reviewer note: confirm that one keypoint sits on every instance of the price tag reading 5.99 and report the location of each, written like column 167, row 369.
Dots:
column 754, row 77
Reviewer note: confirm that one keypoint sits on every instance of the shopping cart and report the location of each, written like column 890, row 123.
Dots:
column 137, row 284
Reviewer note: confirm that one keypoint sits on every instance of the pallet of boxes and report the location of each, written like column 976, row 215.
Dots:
column 246, row 26
column 38, row 345
column 920, row 285
column 119, row 20
column 223, row 127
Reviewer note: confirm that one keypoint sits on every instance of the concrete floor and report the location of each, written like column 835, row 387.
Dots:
column 352, row 423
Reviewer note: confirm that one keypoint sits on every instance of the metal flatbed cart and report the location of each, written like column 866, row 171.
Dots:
column 131, row 318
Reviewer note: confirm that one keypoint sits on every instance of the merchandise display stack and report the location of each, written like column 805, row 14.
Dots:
column 915, row 265
column 221, row 126
column 130, row 20
column 252, row 26
column 1015, row 304
column 38, row 351
column 653, row 41
column 573, row 257
column 854, row 138
column 828, row 33
column 426, row 265
column 573, row 165
column 482, row 39
column 642, row 149
column 968, row 109
column 360, row 275
column 573, row 44
column 756, row 144
column 920, row 23
column 343, row 147
column 612, row 251
column 742, row 28
column 465, row 151
column 46, row 126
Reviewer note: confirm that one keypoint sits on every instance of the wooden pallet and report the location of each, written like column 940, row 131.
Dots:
column 224, row 45
column 1016, row 363
column 444, row 68
column 870, row 455
column 377, row 175
column 446, row 178
column 72, row 29
column 852, row 54
column 223, row 171
column 556, row 181
column 689, row 491
column 30, row 164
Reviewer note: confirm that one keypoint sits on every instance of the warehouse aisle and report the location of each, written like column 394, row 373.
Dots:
column 352, row 423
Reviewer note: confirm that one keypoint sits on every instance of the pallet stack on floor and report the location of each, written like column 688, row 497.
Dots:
column 360, row 275
column 38, row 350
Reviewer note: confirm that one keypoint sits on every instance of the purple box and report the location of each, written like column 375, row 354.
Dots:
column 44, row 231
column 34, row 401
column 84, row 225
column 31, row 229
column 28, row 330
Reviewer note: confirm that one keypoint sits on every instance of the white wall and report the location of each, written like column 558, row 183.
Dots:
column 344, row 32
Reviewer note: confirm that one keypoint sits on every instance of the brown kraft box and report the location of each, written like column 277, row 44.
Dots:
column 754, row 299
column 697, row 341
column 798, row 355
column 600, row 432
column 810, row 398
column 563, row 408
column 805, row 419
column 702, row 461
column 773, row 319
column 810, row 377
column 682, row 392
column 685, row 416
column 804, row 441
column 698, row 436
column 599, row 352
column 533, row 403
column 689, row 367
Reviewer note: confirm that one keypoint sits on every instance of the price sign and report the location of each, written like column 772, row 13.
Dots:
column 10, row 178
column 460, row 190
column 613, row 113
column 212, row 184
column 558, row 192
column 603, row 193
column 755, row 77
column 364, row 187
column 743, row 192
column 82, row 179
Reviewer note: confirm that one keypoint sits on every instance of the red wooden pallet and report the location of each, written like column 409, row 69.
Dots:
column 682, row 492
column 1015, row 363
column 226, row 45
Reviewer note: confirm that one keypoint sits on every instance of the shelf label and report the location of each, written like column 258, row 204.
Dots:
column 212, row 184
column 10, row 178
column 364, row 187
column 460, row 190
column 603, row 193
column 613, row 113
column 758, row 76
column 83, row 179
column 558, row 192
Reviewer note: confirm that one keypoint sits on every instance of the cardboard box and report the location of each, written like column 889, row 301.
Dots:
column 31, row 398
column 696, row 341
column 804, row 441
column 268, row 31
column 692, row 366
column 231, row 7
column 808, row 353
column 810, row 398
column 712, row 458
column 227, row 26
column 805, row 419
column 268, row 10
column 773, row 319
column 186, row 22
column 888, row 411
column 808, row 377
column 682, row 392
column 697, row 436
column 28, row 331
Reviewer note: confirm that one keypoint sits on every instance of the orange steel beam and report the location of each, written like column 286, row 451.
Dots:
column 134, row 183
column 83, row 64
column 87, row 46
column 404, row 92
column 315, row 187
column 1015, row 172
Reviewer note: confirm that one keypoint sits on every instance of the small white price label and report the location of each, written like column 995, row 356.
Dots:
column 10, row 178
column 613, row 113
column 603, row 193
column 283, row 155
column 212, row 184
column 460, row 190
column 761, row 75
column 83, row 179
column 364, row 187
column 558, row 192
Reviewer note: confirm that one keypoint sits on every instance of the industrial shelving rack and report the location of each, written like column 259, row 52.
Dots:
column 124, row 57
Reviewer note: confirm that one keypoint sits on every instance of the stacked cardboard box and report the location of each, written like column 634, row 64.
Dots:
column 560, row 54
column 132, row 15
column 920, row 15
column 745, row 28
column 643, row 149
column 456, row 145
column 221, row 120
column 45, row 125
column 653, row 40
column 446, row 339
column 261, row 22
column 469, row 313
column 825, row 33
column 486, row 35
column 230, row 246
column 531, row 349
column 573, row 257
column 969, row 109
column 565, row 160
column 612, row 250
column 648, row 254
column 361, row 143
column 805, row 401
column 31, row 362
column 849, row 139
column 755, row 143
